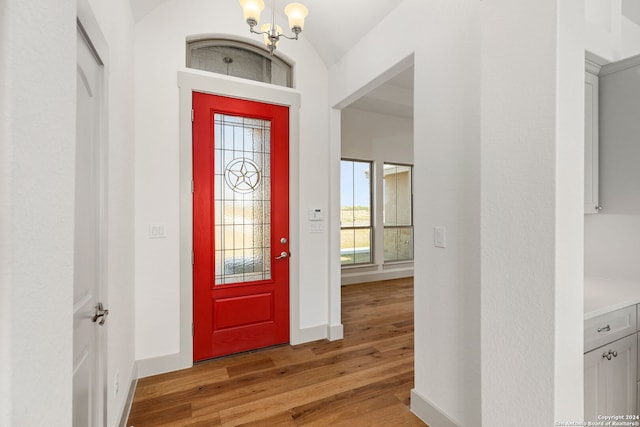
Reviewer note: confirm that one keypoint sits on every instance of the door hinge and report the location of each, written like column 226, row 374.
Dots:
column 193, row 328
column 192, row 113
column 192, row 186
column 192, row 258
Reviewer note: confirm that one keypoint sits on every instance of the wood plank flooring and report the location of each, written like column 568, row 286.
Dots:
column 363, row 380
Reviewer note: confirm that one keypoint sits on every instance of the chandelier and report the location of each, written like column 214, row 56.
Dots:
column 296, row 13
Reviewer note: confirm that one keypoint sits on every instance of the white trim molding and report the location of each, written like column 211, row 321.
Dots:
column 430, row 413
column 591, row 67
column 202, row 81
column 128, row 403
column 593, row 62
column 622, row 65
column 335, row 332
column 368, row 275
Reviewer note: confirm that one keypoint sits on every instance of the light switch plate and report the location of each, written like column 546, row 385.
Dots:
column 440, row 237
column 158, row 230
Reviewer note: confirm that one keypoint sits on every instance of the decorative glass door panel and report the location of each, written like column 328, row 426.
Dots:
column 242, row 199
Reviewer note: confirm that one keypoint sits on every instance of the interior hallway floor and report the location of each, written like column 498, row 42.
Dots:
column 363, row 380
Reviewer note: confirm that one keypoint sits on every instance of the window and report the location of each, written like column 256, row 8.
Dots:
column 355, row 212
column 398, row 213
column 233, row 58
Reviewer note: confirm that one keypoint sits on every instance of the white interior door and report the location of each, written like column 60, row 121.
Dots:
column 88, row 320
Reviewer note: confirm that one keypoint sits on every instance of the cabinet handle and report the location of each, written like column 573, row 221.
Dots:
column 598, row 208
column 604, row 328
column 608, row 355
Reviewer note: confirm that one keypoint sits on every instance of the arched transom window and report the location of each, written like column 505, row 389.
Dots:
column 234, row 58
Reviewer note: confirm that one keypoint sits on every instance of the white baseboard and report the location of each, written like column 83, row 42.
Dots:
column 163, row 364
column 429, row 413
column 335, row 332
column 314, row 333
column 126, row 410
column 373, row 276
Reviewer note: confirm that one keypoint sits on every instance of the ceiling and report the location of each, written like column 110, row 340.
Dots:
column 393, row 97
column 333, row 26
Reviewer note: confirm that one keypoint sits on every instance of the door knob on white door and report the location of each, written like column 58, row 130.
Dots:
column 101, row 313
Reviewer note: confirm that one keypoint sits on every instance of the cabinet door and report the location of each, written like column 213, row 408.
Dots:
column 610, row 379
column 591, row 174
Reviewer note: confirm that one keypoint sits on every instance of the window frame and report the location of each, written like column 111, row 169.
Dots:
column 370, row 227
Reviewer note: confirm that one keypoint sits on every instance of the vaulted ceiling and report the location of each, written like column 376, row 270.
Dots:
column 333, row 26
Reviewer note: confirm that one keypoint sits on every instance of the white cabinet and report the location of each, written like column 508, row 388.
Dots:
column 591, row 144
column 610, row 386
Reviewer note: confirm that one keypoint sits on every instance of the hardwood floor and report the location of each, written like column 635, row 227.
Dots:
column 363, row 380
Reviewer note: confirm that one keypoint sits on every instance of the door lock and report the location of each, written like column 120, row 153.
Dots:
column 101, row 313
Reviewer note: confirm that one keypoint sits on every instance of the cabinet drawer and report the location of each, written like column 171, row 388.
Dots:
column 609, row 327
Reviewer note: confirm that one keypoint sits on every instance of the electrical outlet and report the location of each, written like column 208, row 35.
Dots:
column 116, row 384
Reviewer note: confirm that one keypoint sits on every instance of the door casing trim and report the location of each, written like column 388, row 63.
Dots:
column 202, row 81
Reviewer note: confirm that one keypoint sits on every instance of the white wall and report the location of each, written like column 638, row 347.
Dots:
column 532, row 186
column 379, row 138
column 160, row 39
column 612, row 28
column 38, row 70
column 375, row 136
column 612, row 237
column 37, row 211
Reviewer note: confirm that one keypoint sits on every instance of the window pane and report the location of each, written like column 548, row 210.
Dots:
column 233, row 58
column 398, row 213
column 397, row 195
column 355, row 212
column 355, row 246
column 355, row 194
column 242, row 199
column 398, row 243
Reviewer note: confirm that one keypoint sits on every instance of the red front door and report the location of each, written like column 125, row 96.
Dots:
column 240, row 225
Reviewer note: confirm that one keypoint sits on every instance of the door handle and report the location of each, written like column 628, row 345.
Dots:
column 101, row 313
column 283, row 255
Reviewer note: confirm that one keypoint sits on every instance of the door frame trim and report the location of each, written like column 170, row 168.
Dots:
column 202, row 81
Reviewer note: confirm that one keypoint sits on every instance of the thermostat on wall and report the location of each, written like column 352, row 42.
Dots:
column 315, row 214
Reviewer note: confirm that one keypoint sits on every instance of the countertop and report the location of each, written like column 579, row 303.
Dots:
column 604, row 295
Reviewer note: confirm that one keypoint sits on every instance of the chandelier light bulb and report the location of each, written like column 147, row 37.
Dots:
column 252, row 10
column 296, row 13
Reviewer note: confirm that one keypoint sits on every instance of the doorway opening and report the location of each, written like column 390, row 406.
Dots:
column 376, row 185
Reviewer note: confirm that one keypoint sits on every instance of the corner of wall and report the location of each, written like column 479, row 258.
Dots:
column 162, row 364
column 335, row 332
column 430, row 413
